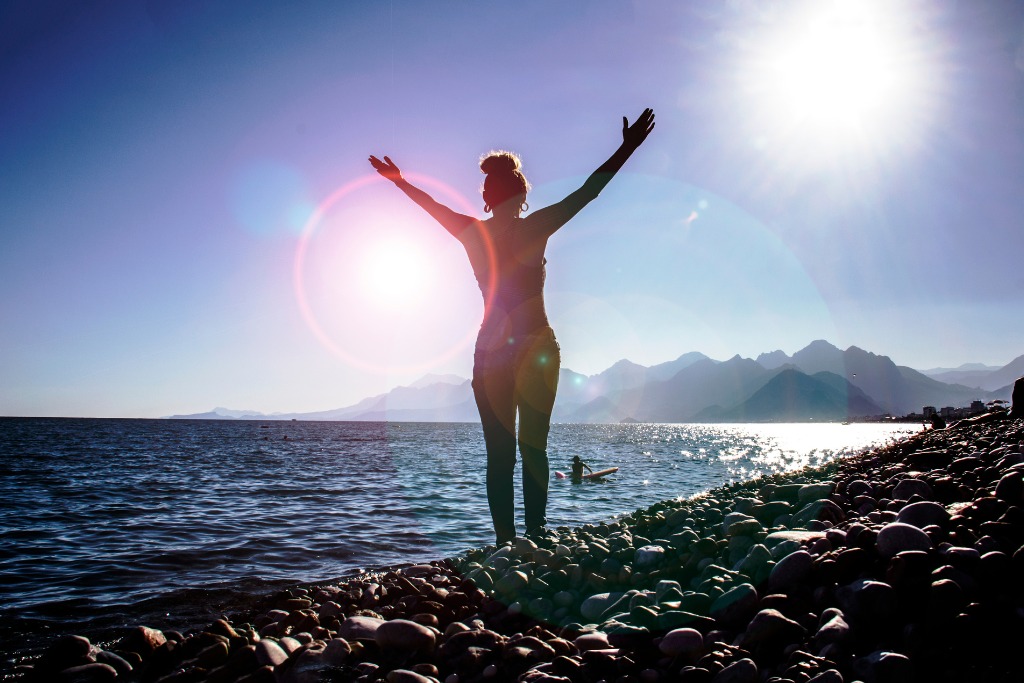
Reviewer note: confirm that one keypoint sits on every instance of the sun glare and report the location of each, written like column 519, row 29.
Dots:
column 839, row 71
column 838, row 75
column 393, row 275
column 380, row 284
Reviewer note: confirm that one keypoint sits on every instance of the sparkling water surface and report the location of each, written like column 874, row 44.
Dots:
column 123, row 520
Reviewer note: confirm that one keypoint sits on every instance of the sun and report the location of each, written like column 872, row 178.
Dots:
column 838, row 71
column 393, row 274
column 837, row 75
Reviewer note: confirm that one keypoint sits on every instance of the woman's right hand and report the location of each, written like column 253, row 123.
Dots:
column 386, row 168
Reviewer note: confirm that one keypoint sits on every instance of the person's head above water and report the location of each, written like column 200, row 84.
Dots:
column 505, row 181
column 576, row 458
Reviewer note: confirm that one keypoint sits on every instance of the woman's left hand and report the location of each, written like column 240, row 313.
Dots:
column 634, row 135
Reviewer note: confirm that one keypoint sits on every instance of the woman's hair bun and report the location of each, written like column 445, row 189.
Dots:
column 501, row 162
column 505, row 179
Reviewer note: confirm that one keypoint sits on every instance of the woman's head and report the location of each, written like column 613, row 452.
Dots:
column 505, row 180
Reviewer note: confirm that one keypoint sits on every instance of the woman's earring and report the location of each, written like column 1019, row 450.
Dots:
column 525, row 208
column 487, row 208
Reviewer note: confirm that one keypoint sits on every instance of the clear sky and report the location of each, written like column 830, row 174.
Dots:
column 188, row 218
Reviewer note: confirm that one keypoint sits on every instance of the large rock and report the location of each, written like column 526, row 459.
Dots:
column 866, row 599
column 811, row 492
column 93, row 672
column 269, row 653
column 735, row 605
column 682, row 642
column 740, row 671
column 911, row 487
column 359, row 628
column 142, row 640
column 405, row 636
column 407, row 676
column 596, row 605
column 1011, row 487
column 648, row 556
column 796, row 535
column 835, row 630
column 792, row 570
column 884, row 667
column 734, row 517
column 897, row 537
column 771, row 626
column 512, row 582
column 67, row 651
column 824, row 510
column 307, row 667
column 923, row 513
column 597, row 640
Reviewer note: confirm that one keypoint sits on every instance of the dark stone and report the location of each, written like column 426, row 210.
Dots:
column 120, row 664
column 672, row 619
column 767, row 513
column 88, row 673
column 694, row 674
column 852, row 562
column 1011, row 487
column 835, row 630
column 945, row 598
column 884, row 667
column 867, row 600
column 740, row 671
column 859, row 487
column 770, row 626
column 142, row 640
column 922, row 514
column 995, row 571
column 65, row 652
column 791, row 570
column 823, row 510
column 898, row 537
column 736, row 605
column 963, row 579
column 910, row 568
column 912, row 487
column 928, row 460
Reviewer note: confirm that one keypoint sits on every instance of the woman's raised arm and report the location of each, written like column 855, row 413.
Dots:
column 452, row 221
column 633, row 135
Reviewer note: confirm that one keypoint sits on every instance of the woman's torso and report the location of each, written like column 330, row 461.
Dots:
column 509, row 264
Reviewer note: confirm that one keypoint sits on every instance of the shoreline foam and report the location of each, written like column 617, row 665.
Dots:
column 903, row 563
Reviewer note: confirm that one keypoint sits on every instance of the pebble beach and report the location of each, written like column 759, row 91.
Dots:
column 904, row 563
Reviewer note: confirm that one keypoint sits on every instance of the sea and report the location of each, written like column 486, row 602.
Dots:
column 106, row 523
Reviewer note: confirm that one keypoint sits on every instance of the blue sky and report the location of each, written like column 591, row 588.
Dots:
column 187, row 217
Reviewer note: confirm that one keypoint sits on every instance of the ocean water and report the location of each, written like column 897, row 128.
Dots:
column 120, row 522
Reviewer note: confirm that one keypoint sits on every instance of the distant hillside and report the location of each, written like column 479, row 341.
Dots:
column 792, row 396
column 897, row 390
column 1007, row 374
column 818, row 382
column 980, row 376
column 679, row 398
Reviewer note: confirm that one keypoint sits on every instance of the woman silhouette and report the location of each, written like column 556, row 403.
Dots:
column 517, row 359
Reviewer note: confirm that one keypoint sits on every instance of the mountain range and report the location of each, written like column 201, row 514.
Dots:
column 819, row 382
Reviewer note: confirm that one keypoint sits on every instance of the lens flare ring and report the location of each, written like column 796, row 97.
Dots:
column 299, row 267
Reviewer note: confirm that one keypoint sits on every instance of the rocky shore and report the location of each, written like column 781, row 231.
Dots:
column 902, row 564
